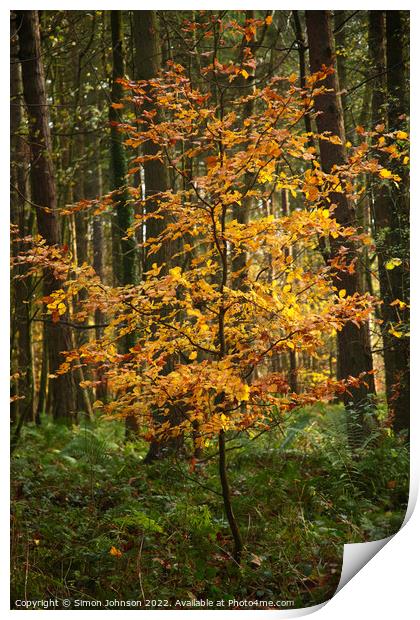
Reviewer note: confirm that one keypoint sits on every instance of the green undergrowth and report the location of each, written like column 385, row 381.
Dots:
column 91, row 522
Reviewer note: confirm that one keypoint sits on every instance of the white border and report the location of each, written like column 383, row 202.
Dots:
column 387, row 586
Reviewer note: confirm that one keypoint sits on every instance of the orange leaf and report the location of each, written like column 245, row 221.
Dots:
column 115, row 552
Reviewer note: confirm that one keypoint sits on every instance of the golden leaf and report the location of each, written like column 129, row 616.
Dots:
column 385, row 174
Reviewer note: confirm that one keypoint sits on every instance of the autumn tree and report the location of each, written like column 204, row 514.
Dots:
column 177, row 312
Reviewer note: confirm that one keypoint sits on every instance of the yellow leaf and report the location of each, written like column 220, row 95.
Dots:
column 243, row 394
column 224, row 420
column 268, row 19
column 115, row 552
column 399, row 303
column 175, row 272
column 406, row 160
column 402, row 135
column 393, row 262
column 290, row 344
column 244, row 73
column 193, row 355
column 385, row 174
column 61, row 309
column 395, row 333
column 342, row 293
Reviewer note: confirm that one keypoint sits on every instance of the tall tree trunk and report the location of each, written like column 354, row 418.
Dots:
column 21, row 349
column 148, row 59
column 302, row 66
column 148, row 56
column 293, row 368
column 354, row 354
column 44, row 197
column 128, row 263
column 98, row 242
column 242, row 211
column 400, row 276
column 125, row 212
column 80, row 232
column 340, row 47
column 390, row 209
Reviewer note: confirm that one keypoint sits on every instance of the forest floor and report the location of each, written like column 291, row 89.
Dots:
column 91, row 522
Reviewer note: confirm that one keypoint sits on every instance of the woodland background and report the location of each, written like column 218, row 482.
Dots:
column 210, row 298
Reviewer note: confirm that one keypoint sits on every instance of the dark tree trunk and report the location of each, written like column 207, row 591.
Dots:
column 148, row 56
column 400, row 222
column 293, row 369
column 390, row 209
column 354, row 354
column 44, row 197
column 125, row 212
column 242, row 211
column 98, row 243
column 302, row 65
column 128, row 262
column 148, row 59
column 227, row 500
column 340, row 24
column 21, row 346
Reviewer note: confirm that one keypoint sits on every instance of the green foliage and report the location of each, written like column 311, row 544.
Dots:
column 81, row 493
column 139, row 520
column 195, row 520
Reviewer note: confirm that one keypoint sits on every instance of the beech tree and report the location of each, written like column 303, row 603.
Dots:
column 177, row 312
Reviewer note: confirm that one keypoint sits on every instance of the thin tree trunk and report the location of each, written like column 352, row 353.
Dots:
column 242, row 211
column 340, row 47
column 221, row 341
column 302, row 66
column 227, row 501
column 98, row 242
column 293, row 371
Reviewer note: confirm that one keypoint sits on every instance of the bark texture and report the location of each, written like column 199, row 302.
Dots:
column 44, row 197
column 354, row 354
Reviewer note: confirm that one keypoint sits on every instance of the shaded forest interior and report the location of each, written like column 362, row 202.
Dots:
column 210, row 300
